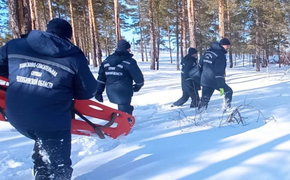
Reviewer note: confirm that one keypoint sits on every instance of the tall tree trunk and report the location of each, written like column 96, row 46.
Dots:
column 279, row 50
column 111, row 29
column 35, row 7
column 146, row 53
column 141, row 30
column 44, row 18
column 82, row 34
column 87, row 32
column 181, row 37
column 99, row 50
column 72, row 22
column 20, row 18
column 266, row 51
column 221, row 19
column 183, row 28
column 200, row 37
column 235, row 59
column 169, row 41
column 24, row 16
column 95, row 35
column 158, row 41
column 58, row 9
column 34, row 14
column 152, row 35
column 13, row 17
column 229, row 34
column 50, row 9
column 191, row 23
column 106, row 41
column 117, row 21
column 92, row 34
column 265, row 61
column 98, row 44
column 77, row 31
column 257, row 43
column 200, row 48
column 177, row 36
column 243, row 59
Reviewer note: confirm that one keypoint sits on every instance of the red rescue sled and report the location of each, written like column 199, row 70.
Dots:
column 90, row 115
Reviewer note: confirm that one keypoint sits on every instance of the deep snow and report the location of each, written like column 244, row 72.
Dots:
column 177, row 143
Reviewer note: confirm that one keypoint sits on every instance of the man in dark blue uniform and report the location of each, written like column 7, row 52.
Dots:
column 213, row 74
column 117, row 74
column 46, row 72
column 189, row 87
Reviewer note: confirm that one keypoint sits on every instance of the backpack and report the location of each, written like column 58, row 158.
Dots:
column 195, row 73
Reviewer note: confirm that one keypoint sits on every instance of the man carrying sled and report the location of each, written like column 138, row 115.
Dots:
column 46, row 72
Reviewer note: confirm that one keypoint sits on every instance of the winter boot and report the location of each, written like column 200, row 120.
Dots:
column 226, row 107
column 203, row 103
column 202, row 106
column 226, row 104
column 194, row 103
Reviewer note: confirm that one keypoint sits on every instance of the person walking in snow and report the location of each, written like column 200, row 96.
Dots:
column 189, row 87
column 213, row 65
column 46, row 72
column 117, row 73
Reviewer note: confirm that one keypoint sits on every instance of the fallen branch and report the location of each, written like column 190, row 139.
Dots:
column 235, row 116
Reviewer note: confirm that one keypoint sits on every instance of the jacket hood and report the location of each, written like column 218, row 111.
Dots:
column 118, row 57
column 51, row 45
column 218, row 47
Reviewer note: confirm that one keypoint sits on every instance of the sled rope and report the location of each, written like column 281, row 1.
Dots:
column 2, row 112
column 97, row 129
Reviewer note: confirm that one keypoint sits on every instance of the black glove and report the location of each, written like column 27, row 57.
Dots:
column 136, row 87
column 99, row 97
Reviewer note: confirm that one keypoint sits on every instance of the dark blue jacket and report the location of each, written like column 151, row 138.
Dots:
column 45, row 74
column 117, row 73
column 213, row 65
column 187, row 63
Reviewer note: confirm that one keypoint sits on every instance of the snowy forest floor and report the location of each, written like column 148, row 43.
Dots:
column 178, row 143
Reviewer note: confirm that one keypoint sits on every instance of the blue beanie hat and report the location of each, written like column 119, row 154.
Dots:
column 123, row 45
column 191, row 51
column 225, row 41
column 59, row 27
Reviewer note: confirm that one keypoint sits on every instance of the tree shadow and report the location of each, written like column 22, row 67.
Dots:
column 161, row 153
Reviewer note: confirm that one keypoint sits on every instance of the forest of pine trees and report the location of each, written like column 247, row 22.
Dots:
column 257, row 28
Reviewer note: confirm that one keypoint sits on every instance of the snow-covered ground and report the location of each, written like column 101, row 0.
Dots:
column 177, row 143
